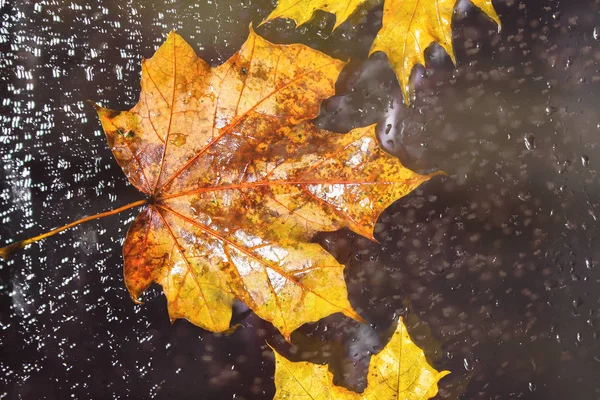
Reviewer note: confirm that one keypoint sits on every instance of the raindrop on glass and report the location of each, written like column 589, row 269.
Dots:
column 468, row 364
column 585, row 160
column 529, row 142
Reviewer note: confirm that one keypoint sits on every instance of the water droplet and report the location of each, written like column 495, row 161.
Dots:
column 529, row 141
column 532, row 386
column 178, row 139
column 524, row 196
column 89, row 73
column 570, row 226
column 468, row 365
column 585, row 160
column 596, row 33
column 119, row 72
column 568, row 63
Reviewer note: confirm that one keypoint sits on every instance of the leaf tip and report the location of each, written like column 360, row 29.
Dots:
column 450, row 52
column 358, row 318
column 338, row 22
column 371, row 236
column 232, row 329
column 496, row 19
column 287, row 336
column 406, row 87
column 173, row 37
column 136, row 299
column 372, row 50
column 103, row 112
column 252, row 33
column 436, row 173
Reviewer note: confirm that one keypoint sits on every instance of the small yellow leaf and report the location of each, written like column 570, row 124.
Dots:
column 301, row 11
column 399, row 371
column 408, row 28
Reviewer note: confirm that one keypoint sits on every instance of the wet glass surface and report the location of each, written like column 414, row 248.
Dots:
column 496, row 266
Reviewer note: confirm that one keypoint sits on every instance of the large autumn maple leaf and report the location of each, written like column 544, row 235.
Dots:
column 238, row 181
column 408, row 27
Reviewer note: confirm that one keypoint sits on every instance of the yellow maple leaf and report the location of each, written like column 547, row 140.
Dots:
column 238, row 181
column 408, row 28
column 399, row 371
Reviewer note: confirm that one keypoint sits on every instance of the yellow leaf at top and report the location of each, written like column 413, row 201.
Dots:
column 408, row 27
column 301, row 11
column 399, row 371
column 239, row 181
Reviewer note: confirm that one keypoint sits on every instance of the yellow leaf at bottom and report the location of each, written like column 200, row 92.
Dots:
column 399, row 371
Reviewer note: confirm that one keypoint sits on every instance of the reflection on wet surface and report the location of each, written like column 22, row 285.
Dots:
column 496, row 265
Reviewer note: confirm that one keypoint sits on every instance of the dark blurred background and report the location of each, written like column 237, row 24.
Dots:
column 496, row 267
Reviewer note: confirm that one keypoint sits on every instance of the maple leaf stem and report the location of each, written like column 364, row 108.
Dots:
column 8, row 250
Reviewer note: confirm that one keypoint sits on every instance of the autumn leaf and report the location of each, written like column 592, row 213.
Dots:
column 408, row 27
column 399, row 371
column 302, row 11
column 238, row 182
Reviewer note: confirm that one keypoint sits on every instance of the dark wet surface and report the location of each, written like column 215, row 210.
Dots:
column 496, row 266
